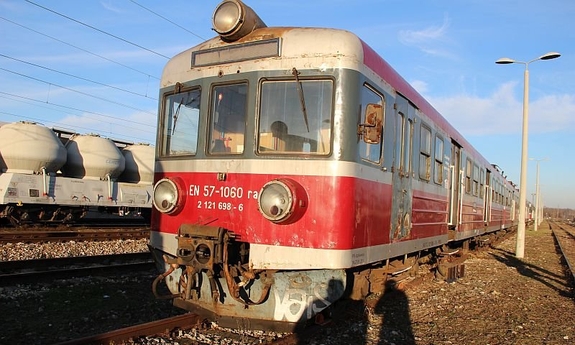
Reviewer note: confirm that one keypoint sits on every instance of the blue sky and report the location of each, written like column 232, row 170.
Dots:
column 102, row 76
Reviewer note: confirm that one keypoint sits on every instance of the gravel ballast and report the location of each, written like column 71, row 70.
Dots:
column 500, row 300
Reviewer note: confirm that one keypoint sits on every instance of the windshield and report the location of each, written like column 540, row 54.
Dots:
column 228, row 125
column 287, row 125
column 180, row 123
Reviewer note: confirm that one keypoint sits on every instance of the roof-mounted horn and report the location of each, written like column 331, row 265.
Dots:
column 233, row 20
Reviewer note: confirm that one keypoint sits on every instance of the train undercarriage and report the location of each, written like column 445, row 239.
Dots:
column 21, row 214
column 211, row 276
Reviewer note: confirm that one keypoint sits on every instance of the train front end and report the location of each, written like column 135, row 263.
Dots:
column 253, row 204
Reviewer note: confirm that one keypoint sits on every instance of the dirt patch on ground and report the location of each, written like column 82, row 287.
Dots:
column 500, row 300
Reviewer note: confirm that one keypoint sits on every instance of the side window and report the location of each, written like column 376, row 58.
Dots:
column 468, row 172
column 482, row 183
column 372, row 113
column 494, row 192
column 438, row 172
column 408, row 164
column 475, row 180
column 425, row 153
column 399, row 141
column 180, row 123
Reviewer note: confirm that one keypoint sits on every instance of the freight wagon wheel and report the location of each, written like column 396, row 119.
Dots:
column 9, row 213
column 147, row 215
column 13, row 220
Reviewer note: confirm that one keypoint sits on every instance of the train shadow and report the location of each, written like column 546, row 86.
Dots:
column 549, row 279
column 383, row 320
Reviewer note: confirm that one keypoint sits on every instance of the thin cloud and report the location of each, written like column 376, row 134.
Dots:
column 420, row 86
column 502, row 112
column 107, row 5
column 428, row 40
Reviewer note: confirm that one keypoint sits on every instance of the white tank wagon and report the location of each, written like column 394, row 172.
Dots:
column 139, row 164
column 50, row 175
column 26, row 147
column 93, row 157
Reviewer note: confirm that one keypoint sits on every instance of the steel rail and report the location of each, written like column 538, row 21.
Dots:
column 38, row 270
column 562, row 243
column 151, row 328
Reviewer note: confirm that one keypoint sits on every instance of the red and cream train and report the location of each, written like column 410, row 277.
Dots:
column 295, row 166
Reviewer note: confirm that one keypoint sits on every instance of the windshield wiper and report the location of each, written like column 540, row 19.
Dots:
column 176, row 115
column 301, row 98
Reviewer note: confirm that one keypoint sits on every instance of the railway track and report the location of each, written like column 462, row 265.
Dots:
column 564, row 235
column 191, row 329
column 72, row 233
column 38, row 270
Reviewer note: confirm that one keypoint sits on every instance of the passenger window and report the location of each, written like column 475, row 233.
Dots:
column 438, row 173
column 482, row 183
column 475, row 180
column 468, row 172
column 425, row 153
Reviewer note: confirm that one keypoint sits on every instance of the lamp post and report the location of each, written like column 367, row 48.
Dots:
column 520, row 245
column 537, row 195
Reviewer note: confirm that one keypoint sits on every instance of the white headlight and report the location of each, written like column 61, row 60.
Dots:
column 233, row 20
column 227, row 17
column 275, row 201
column 165, row 196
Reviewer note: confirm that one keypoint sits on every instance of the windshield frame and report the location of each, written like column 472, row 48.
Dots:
column 289, row 124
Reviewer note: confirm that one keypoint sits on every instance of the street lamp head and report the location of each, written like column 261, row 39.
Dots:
column 549, row 56
column 505, row 61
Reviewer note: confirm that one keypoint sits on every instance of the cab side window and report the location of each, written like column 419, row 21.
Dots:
column 372, row 113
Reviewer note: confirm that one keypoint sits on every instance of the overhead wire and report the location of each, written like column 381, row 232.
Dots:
column 73, row 90
column 99, row 30
column 169, row 21
column 79, row 48
column 131, row 122
column 77, row 77
column 150, row 133
column 94, row 54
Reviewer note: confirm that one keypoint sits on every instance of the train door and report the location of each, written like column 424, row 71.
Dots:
column 455, row 186
column 402, row 170
column 487, row 199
